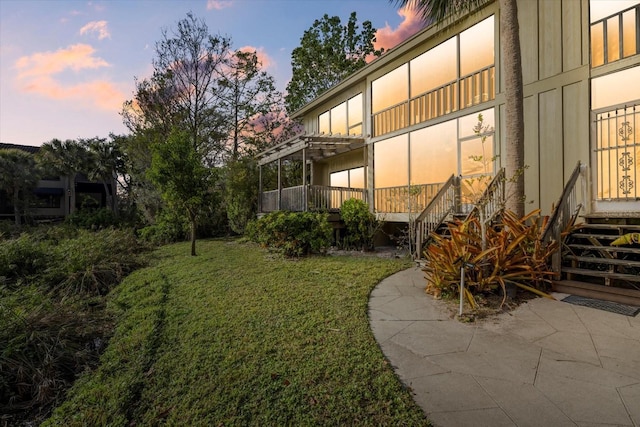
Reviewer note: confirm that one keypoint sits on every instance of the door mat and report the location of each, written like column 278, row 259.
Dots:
column 613, row 307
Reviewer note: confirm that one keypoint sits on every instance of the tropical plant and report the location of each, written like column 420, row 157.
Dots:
column 516, row 255
column 439, row 11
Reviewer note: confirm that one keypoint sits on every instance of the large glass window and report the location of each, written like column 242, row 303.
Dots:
column 391, row 159
column 434, row 153
column 390, row 89
column 477, row 47
column 614, row 30
column 354, row 107
column 351, row 178
column 339, row 119
column 434, row 68
column 436, row 87
column 615, row 88
column 343, row 119
column 324, row 123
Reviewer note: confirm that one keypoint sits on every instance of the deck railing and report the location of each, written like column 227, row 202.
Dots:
column 309, row 197
column 405, row 199
column 564, row 214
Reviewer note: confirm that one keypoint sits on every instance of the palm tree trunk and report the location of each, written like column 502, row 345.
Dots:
column 514, row 108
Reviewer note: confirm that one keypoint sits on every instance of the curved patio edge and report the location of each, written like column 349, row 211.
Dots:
column 545, row 363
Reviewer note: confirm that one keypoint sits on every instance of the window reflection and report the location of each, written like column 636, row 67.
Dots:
column 339, row 179
column 354, row 105
column 434, row 153
column 615, row 88
column 324, row 124
column 614, row 30
column 352, row 178
column 434, row 68
column 476, row 156
column 436, row 88
column 390, row 89
column 391, row 158
column 339, row 119
column 476, row 47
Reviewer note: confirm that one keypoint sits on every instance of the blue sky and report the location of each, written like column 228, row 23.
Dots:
column 67, row 66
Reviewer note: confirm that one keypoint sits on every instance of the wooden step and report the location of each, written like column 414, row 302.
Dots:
column 621, row 249
column 609, row 261
column 604, row 274
column 595, row 236
column 624, row 228
column 590, row 290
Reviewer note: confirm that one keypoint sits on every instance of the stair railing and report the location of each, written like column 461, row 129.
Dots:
column 564, row 214
column 490, row 204
column 434, row 214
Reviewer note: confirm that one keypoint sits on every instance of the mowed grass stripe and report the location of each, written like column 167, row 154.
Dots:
column 237, row 336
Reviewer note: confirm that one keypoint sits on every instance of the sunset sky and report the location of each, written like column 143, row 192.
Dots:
column 67, row 66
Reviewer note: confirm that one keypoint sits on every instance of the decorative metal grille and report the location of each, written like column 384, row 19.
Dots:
column 617, row 153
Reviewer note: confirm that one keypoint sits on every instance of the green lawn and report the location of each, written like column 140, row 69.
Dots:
column 237, row 336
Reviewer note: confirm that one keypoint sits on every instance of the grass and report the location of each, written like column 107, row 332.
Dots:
column 237, row 336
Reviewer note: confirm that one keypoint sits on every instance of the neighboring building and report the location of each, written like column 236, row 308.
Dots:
column 396, row 130
column 53, row 197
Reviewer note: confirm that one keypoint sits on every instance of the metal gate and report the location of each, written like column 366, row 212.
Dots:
column 617, row 158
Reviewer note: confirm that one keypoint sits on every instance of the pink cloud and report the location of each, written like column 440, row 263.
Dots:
column 99, row 27
column 388, row 37
column 75, row 57
column 218, row 4
column 37, row 72
column 263, row 57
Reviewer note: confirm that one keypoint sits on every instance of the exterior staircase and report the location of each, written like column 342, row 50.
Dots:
column 592, row 267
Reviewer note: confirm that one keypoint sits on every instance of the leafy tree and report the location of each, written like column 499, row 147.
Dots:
column 19, row 174
column 177, row 169
column 247, row 92
column 67, row 158
column 438, row 11
column 241, row 192
column 328, row 52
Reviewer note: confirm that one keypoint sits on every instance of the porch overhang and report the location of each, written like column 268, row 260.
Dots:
column 312, row 147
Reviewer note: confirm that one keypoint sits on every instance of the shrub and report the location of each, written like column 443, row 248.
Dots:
column 515, row 255
column 292, row 233
column 169, row 227
column 361, row 224
column 93, row 218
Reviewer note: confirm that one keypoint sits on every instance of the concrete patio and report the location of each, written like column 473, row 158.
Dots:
column 548, row 363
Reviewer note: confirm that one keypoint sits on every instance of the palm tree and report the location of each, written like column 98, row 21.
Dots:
column 66, row 158
column 437, row 11
column 104, row 158
column 19, row 175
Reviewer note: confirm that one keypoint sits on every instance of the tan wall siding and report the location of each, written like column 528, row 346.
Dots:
column 572, row 30
column 531, row 153
column 551, row 147
column 528, row 20
column 550, row 40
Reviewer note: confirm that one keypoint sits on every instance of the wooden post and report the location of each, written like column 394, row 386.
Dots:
column 260, row 189
column 279, row 184
column 305, row 201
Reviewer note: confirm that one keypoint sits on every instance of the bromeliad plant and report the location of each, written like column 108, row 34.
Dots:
column 515, row 255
